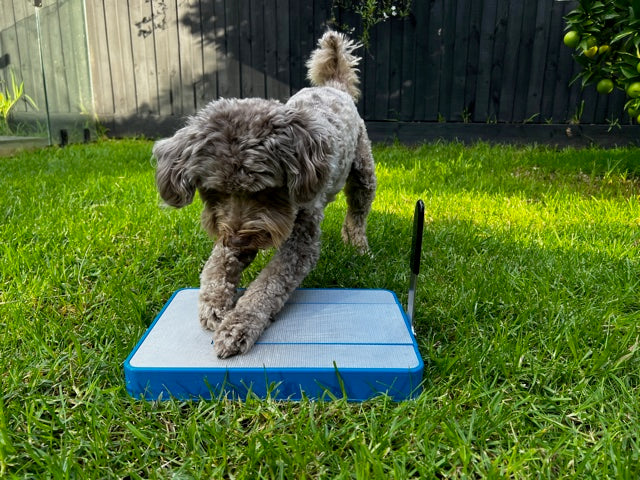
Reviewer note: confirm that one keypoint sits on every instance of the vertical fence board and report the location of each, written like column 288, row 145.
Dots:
column 281, row 89
column 561, row 90
column 554, row 52
column 257, row 40
column 295, row 45
column 408, row 91
column 229, row 75
column 382, row 38
column 498, row 64
column 423, row 59
column 75, row 42
column 99, row 60
column 307, row 39
column 435, row 54
column 460, row 60
column 189, row 54
column 168, row 57
column 523, row 87
column 510, row 72
column 211, row 26
column 143, row 53
column 244, row 24
column 616, row 105
column 321, row 18
column 301, row 42
column 119, row 43
column 53, row 60
column 539, row 64
column 473, row 62
column 395, row 70
column 448, row 39
column 368, row 79
column 485, row 56
column 271, row 49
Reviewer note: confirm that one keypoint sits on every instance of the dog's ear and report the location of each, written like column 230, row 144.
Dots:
column 306, row 158
column 172, row 176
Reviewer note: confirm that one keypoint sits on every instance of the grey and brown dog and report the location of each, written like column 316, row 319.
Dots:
column 265, row 172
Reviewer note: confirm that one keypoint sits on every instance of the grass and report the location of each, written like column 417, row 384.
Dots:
column 527, row 318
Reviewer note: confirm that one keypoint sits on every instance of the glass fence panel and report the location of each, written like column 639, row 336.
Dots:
column 23, row 106
column 65, row 62
column 45, row 82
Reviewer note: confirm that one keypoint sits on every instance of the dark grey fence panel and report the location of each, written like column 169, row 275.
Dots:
column 464, row 61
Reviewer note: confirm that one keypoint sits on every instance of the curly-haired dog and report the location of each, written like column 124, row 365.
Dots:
column 265, row 172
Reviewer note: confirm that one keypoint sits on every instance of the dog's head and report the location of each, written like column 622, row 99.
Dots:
column 254, row 163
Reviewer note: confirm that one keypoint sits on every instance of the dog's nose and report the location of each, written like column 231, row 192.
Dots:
column 238, row 241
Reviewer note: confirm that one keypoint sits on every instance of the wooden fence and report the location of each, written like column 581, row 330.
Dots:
column 450, row 62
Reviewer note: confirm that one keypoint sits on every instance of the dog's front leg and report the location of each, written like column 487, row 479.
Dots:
column 218, row 282
column 267, row 294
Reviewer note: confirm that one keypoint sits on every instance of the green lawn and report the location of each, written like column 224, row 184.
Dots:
column 528, row 320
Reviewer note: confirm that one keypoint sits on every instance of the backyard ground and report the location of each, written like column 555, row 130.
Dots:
column 528, row 314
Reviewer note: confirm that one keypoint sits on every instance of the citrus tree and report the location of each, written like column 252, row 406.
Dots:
column 606, row 38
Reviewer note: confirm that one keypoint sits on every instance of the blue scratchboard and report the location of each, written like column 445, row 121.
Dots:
column 324, row 343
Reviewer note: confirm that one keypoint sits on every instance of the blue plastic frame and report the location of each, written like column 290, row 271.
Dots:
column 356, row 384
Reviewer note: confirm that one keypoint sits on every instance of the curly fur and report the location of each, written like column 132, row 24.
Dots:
column 333, row 64
column 265, row 172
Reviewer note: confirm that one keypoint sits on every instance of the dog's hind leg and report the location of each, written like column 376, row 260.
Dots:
column 218, row 283
column 268, row 293
column 360, row 191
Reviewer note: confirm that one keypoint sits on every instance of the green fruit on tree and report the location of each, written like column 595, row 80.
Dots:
column 638, row 67
column 633, row 111
column 603, row 49
column 605, row 86
column 633, row 90
column 591, row 52
column 638, row 119
column 572, row 39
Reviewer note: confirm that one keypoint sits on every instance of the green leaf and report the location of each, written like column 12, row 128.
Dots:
column 29, row 100
column 628, row 72
column 587, row 79
column 622, row 35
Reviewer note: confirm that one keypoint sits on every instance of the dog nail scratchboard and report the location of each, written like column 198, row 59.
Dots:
column 325, row 343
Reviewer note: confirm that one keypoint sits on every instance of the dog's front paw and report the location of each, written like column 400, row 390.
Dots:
column 237, row 334
column 209, row 315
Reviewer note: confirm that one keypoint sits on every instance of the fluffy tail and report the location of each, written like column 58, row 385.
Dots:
column 333, row 64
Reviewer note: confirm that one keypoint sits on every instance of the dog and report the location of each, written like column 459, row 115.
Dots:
column 265, row 171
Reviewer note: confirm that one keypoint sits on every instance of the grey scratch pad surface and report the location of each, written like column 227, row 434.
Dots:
column 361, row 333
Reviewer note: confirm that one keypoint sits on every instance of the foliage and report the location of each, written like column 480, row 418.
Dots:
column 373, row 12
column 606, row 37
column 9, row 98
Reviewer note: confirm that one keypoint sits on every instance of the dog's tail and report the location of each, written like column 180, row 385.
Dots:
column 333, row 64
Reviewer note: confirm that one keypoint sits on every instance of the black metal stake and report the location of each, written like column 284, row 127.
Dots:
column 414, row 264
